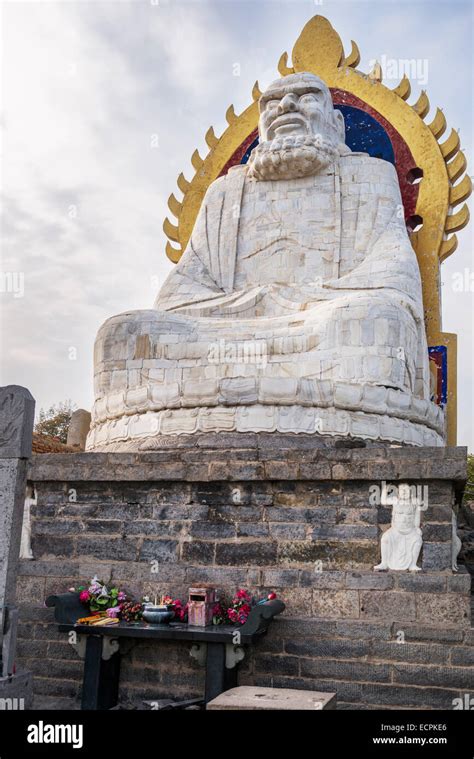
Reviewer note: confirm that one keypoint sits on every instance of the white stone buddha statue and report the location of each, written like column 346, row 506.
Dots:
column 296, row 306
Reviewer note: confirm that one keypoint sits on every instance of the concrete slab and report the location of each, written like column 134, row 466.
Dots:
column 248, row 697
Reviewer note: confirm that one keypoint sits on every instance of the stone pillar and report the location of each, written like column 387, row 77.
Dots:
column 17, row 408
column 79, row 428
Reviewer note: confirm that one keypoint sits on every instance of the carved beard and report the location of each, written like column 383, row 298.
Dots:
column 291, row 157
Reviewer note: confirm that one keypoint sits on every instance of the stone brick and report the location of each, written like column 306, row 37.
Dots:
column 38, row 568
column 469, row 637
column 407, row 697
column 353, row 515
column 220, row 576
column 428, row 633
column 170, row 512
column 30, row 589
column 460, row 583
column 297, row 628
column 118, row 511
column 345, row 532
column 252, row 529
column 328, row 649
column 105, row 526
column 56, row 527
column 387, row 605
column 155, row 528
column 322, row 579
column 449, row 608
column 446, row 677
column 437, row 533
column 363, row 630
column 280, row 578
column 333, row 554
column 280, row 665
column 298, row 601
column 49, row 686
column 343, row 670
column 422, row 653
column 324, row 516
column 198, row 551
column 121, row 549
column 369, row 581
column 236, row 513
column 256, row 553
column 288, row 531
column 32, row 649
column 463, row 656
column 213, row 530
column 422, row 582
column 336, row 603
column 48, row 545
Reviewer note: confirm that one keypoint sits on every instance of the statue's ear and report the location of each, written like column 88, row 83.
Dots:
column 339, row 124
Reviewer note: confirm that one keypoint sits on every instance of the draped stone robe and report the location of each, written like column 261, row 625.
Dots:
column 318, row 273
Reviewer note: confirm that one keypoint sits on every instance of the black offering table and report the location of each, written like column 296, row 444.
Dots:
column 218, row 647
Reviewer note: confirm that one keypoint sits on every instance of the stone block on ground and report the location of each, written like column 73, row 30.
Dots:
column 246, row 698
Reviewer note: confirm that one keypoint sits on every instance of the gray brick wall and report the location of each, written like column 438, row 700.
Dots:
column 276, row 515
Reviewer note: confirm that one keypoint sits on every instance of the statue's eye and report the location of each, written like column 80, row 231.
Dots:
column 307, row 98
column 271, row 104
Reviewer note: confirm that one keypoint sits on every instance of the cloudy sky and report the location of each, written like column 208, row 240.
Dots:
column 103, row 105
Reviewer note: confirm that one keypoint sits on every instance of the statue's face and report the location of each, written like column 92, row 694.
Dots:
column 403, row 519
column 299, row 104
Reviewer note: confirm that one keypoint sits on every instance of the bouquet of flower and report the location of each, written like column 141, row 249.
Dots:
column 97, row 597
column 180, row 611
column 240, row 607
column 130, row 611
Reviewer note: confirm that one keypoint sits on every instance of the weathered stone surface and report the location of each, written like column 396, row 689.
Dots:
column 444, row 608
column 16, row 691
column 251, row 553
column 409, row 652
column 437, row 556
column 17, row 413
column 142, row 467
column 79, row 427
column 336, row 603
column 447, row 677
column 255, row 698
column 369, row 581
column 342, row 670
column 379, row 604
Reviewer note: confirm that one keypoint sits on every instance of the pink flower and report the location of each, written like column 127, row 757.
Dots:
column 113, row 612
column 232, row 614
column 122, row 596
column 180, row 611
column 84, row 596
column 243, row 595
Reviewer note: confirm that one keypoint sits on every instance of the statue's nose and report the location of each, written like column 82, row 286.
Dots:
column 287, row 103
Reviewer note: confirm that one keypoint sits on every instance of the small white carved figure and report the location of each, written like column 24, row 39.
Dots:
column 401, row 543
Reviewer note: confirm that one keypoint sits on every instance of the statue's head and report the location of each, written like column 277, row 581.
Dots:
column 300, row 131
column 299, row 104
